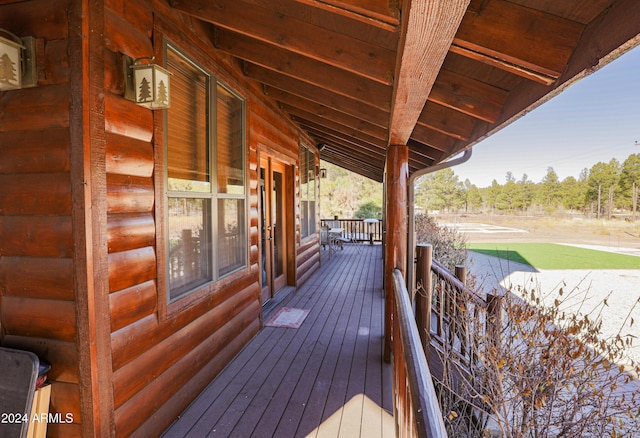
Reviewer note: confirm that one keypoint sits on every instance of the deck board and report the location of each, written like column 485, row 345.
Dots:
column 326, row 378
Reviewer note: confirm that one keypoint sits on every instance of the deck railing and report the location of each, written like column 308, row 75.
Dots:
column 363, row 230
column 462, row 315
column 416, row 409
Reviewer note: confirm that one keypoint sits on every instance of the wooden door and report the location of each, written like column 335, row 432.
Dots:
column 273, row 226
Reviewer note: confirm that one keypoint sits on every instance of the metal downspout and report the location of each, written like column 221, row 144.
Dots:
column 411, row 201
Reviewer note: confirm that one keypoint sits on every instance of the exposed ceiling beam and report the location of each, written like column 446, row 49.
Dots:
column 428, row 28
column 347, row 122
column 332, row 102
column 278, row 28
column 314, row 92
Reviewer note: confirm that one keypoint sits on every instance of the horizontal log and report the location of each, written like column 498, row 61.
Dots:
column 128, row 380
column 40, row 18
column 37, row 277
column 123, row 117
column 65, row 399
column 139, row 14
column 130, row 231
column 36, row 236
column 62, row 355
column 129, row 194
column 131, row 341
column 160, row 420
column 121, row 36
column 37, row 108
column 35, row 194
column 132, row 304
column 39, row 318
column 133, row 413
column 35, row 151
column 128, row 156
column 303, row 277
column 130, row 268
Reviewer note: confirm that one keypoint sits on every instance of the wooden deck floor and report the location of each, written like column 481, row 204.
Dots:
column 326, row 378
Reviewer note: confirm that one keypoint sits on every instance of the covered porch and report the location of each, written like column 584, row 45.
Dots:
column 325, row 378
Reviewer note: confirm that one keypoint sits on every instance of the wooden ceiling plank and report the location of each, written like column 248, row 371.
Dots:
column 471, row 97
column 345, row 120
column 280, row 29
column 385, row 10
column 336, row 18
column 354, row 165
column 332, row 137
column 520, row 37
column 344, row 130
column 302, row 68
column 329, row 100
column 447, row 121
column 322, row 110
column 428, row 28
column 437, row 140
column 311, row 91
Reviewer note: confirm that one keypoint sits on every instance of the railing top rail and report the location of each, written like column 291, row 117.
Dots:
column 426, row 409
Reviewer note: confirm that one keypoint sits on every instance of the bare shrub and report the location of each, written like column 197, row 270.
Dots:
column 449, row 246
column 545, row 373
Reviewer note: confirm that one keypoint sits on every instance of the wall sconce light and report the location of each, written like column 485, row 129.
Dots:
column 146, row 84
column 17, row 62
column 323, row 173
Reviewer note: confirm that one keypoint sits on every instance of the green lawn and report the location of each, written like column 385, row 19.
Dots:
column 553, row 256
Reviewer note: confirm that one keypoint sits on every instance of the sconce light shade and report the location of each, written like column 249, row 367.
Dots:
column 147, row 84
column 323, row 173
column 17, row 66
column 151, row 86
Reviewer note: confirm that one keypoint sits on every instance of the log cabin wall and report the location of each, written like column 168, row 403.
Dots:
column 37, row 255
column 81, row 179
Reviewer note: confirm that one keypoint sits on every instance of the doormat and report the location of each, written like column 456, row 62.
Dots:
column 288, row 317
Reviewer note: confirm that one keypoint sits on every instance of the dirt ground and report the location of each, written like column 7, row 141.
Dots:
column 577, row 230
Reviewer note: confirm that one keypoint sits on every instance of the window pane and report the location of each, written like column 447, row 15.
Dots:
column 187, row 127
column 189, row 257
column 232, row 241
column 230, row 143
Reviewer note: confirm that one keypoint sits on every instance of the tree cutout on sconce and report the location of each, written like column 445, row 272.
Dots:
column 163, row 96
column 7, row 69
column 145, row 91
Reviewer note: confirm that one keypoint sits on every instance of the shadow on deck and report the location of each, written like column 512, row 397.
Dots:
column 326, row 378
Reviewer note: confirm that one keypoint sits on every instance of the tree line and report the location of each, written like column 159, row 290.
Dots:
column 602, row 190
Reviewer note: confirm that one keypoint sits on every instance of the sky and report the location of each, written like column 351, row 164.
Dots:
column 595, row 119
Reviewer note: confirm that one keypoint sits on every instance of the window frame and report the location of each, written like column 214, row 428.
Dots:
column 308, row 214
column 170, row 305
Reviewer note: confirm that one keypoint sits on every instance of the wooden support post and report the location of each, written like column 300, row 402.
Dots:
column 395, row 249
column 460, row 312
column 424, row 255
column 494, row 318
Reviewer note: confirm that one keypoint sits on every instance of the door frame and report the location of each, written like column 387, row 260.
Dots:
column 273, row 285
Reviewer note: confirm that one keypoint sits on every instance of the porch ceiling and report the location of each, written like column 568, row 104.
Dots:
column 437, row 75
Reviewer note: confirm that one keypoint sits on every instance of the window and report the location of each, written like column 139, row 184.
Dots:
column 307, row 192
column 205, row 179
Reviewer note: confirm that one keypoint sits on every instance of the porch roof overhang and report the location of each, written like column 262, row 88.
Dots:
column 436, row 75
